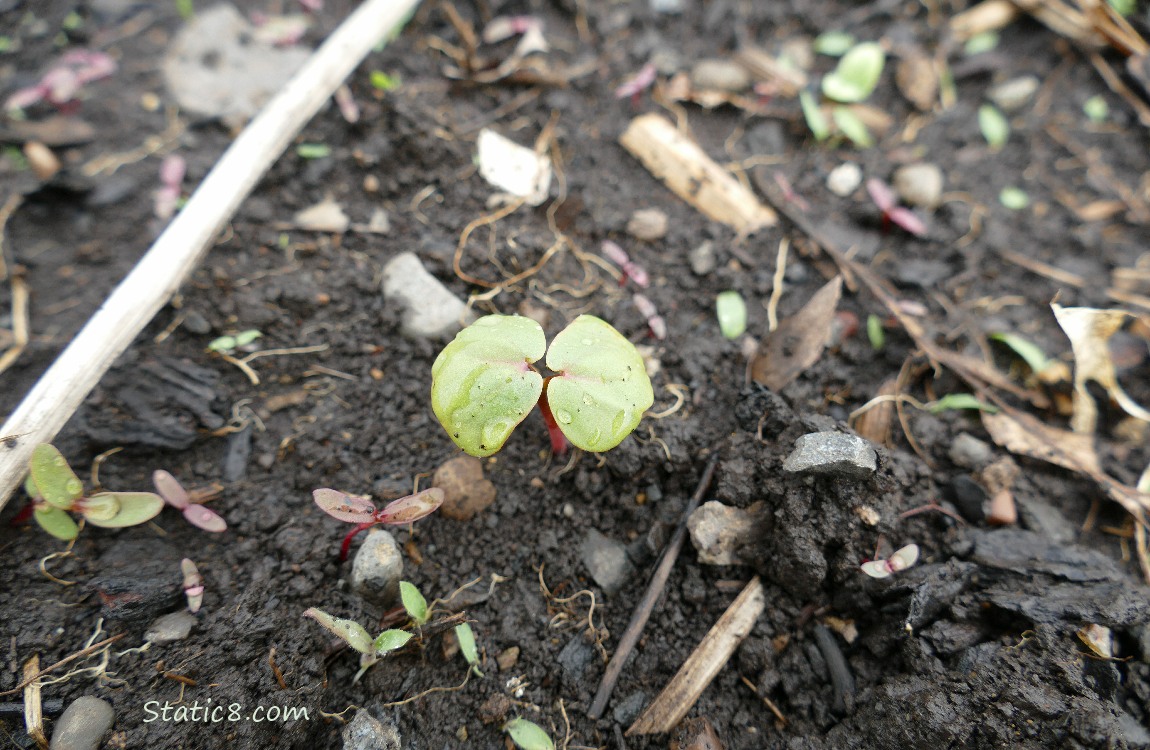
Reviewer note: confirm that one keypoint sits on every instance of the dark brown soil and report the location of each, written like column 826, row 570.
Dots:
column 975, row 647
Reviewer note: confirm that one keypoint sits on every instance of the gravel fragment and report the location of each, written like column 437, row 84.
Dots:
column 83, row 724
column 832, row 453
column 377, row 568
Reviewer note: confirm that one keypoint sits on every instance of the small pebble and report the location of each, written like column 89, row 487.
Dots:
column 508, row 658
column 83, row 724
column 702, row 259
column 723, row 75
column 1013, row 95
column 919, row 184
column 648, row 224
column 606, row 561
column 833, row 453
column 365, row 732
column 430, row 309
column 42, row 160
column 969, row 452
column 844, row 179
column 377, row 568
column 171, row 627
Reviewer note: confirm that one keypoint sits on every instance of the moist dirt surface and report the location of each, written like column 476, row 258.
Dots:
column 976, row 646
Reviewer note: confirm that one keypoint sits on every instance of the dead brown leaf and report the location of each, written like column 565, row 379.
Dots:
column 918, row 81
column 875, row 423
column 799, row 340
column 1026, row 436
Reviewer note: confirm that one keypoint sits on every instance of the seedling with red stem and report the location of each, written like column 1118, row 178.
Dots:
column 896, row 563
column 892, row 213
column 362, row 512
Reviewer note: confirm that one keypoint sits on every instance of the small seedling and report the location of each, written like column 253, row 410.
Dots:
column 980, row 43
column 357, row 637
column 650, row 313
column 634, row 86
column 960, row 401
column 850, row 125
column 833, row 43
column 55, row 489
column 414, row 603
column 228, row 344
column 528, row 736
column 855, row 77
column 167, row 197
column 892, row 213
column 64, row 82
column 899, row 561
column 1030, row 352
column 381, row 81
column 467, row 646
column 1096, row 109
column 313, row 150
column 631, row 269
column 874, row 332
column 193, row 585
column 176, row 496
column 994, row 126
column 732, row 313
column 1014, row 198
column 362, row 512
column 483, row 384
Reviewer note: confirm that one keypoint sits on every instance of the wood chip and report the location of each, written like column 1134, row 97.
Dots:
column 687, row 170
column 704, row 663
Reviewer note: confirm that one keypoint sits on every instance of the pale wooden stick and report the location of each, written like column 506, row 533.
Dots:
column 704, row 663
column 180, row 248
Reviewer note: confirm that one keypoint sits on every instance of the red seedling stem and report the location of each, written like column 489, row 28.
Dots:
column 558, row 439
column 346, row 546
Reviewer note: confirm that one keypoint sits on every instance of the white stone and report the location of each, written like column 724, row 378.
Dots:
column 377, row 568
column 919, row 184
column 844, row 179
column 430, row 309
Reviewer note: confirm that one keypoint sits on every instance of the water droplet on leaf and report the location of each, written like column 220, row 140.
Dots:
column 563, row 416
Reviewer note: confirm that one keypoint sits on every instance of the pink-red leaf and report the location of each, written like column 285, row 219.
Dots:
column 205, row 518
column 345, row 507
column 169, row 488
column 411, row 508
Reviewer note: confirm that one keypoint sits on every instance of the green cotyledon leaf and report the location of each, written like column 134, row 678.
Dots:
column 57, row 483
column 482, row 383
column 56, row 522
column 115, row 510
column 602, row 389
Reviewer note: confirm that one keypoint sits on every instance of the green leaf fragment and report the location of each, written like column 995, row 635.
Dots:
column 414, row 602
column 1030, row 353
column 875, row 332
column 482, row 385
column 1096, row 109
column 855, row 77
column 1014, row 198
column 603, row 389
column 528, row 735
column 979, row 43
column 994, row 126
column 313, row 150
column 833, row 43
column 383, row 82
column 57, row 483
column 350, row 631
column 954, row 401
column 56, row 522
column 1123, row 7
column 117, row 510
column 228, row 344
column 390, row 640
column 468, row 647
column 852, row 127
column 813, row 114
column 732, row 313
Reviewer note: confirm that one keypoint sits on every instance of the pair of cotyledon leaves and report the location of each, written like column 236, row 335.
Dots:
column 483, row 384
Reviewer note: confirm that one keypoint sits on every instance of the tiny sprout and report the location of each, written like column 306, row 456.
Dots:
column 852, row 127
column 631, row 269
column 483, row 383
column 650, row 313
column 855, row 77
column 414, row 603
column 1096, row 109
column 357, row 637
column 833, row 43
column 732, row 313
column 994, row 126
column 899, row 561
column 362, row 512
column 1014, row 198
column 960, row 401
column 875, row 332
column 528, row 736
column 467, row 646
column 813, row 114
column 228, row 344
column 193, row 585
column 892, row 213
column 176, row 496
column 313, row 150
column 635, row 85
column 979, row 43
column 1030, row 352
column 381, row 81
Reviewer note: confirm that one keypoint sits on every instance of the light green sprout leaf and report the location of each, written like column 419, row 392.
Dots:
column 833, row 43
column 390, row 640
column 414, row 602
column 856, row 75
column 852, row 127
column 1123, row 7
column 228, row 344
column 56, row 522
column 528, row 735
column 1014, row 198
column 602, row 390
column 1096, row 109
column 1033, row 356
column 874, row 332
column 814, row 116
column 994, row 126
column 954, row 401
column 732, row 313
column 383, row 82
column 467, row 646
column 483, row 385
column 350, row 631
column 116, row 510
column 313, row 150
column 979, row 43
column 58, row 485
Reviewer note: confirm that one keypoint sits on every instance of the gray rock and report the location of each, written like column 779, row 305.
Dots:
column 724, row 75
column 969, row 452
column 719, row 531
column 365, row 732
column 1012, row 95
column 83, row 724
column 377, row 568
column 628, row 709
column 575, row 657
column 217, row 68
column 430, row 309
column 668, row 7
column 832, row 453
column 919, row 184
column 606, row 561
column 702, row 259
column 171, row 627
column 1037, row 514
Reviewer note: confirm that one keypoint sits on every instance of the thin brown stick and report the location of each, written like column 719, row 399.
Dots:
column 20, row 327
column 654, row 591
column 66, row 660
column 6, row 212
